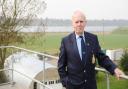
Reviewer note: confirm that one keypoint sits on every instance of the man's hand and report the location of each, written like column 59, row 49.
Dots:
column 118, row 72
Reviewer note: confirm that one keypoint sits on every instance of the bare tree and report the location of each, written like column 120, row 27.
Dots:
column 14, row 15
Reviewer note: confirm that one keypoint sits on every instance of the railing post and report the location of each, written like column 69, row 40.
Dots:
column 44, row 71
column 107, row 80
column 12, row 60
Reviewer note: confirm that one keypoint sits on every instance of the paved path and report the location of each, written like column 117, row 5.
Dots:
column 15, row 86
column 9, row 86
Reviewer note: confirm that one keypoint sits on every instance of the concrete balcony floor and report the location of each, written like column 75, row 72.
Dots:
column 9, row 86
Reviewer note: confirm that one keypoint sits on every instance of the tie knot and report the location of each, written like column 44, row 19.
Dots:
column 81, row 37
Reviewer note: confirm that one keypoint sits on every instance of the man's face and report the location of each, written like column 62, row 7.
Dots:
column 78, row 22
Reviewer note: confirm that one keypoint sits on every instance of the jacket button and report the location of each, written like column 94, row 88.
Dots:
column 85, row 81
column 84, row 71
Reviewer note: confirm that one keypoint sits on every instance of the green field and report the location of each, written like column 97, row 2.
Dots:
column 50, row 42
column 114, row 83
column 113, row 41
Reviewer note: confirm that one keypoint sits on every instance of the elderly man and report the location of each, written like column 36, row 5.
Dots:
column 76, row 64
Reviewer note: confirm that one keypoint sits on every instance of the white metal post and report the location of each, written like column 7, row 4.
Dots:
column 44, row 71
column 107, row 80
column 12, row 60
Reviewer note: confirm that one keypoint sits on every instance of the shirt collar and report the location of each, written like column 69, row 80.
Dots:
column 77, row 36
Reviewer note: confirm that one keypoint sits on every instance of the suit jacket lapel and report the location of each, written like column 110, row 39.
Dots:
column 75, row 48
column 87, row 45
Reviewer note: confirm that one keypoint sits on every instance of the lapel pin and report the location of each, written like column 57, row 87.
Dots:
column 88, row 44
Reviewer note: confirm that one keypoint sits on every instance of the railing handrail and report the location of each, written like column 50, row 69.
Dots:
column 124, row 76
column 100, row 69
column 35, row 80
column 5, row 69
column 31, row 51
column 103, row 70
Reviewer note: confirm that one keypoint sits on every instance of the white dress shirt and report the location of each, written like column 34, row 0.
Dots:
column 78, row 40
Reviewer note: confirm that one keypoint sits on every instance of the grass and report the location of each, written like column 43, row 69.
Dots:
column 114, row 83
column 121, row 30
column 50, row 42
column 113, row 41
column 117, row 39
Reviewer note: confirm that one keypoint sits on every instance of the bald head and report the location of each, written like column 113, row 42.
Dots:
column 78, row 14
column 78, row 22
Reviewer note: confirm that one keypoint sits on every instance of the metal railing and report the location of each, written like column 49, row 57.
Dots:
column 53, row 57
column 23, row 49
column 107, row 76
column 12, row 82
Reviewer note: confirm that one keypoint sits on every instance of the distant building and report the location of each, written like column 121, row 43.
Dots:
column 115, row 54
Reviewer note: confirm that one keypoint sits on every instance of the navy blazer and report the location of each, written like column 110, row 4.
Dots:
column 70, row 67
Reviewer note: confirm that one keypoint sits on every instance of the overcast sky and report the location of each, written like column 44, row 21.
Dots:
column 94, row 9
